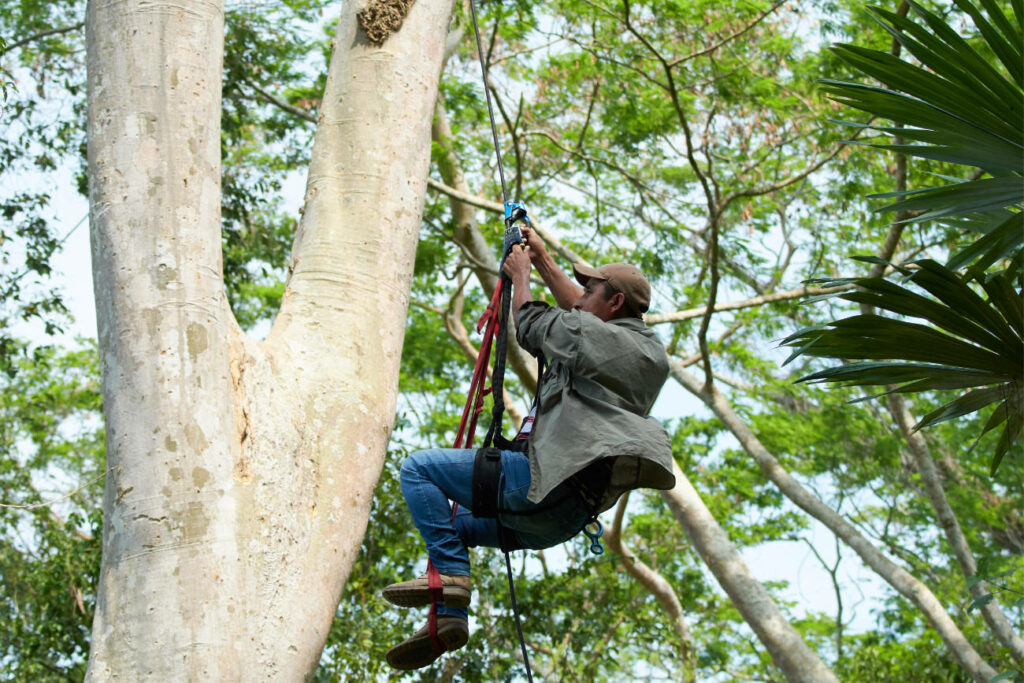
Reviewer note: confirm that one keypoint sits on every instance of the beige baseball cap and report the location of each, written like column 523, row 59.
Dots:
column 623, row 277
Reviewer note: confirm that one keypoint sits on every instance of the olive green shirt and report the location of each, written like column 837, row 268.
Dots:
column 601, row 381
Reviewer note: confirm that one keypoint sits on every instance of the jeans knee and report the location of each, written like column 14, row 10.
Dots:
column 408, row 467
column 411, row 465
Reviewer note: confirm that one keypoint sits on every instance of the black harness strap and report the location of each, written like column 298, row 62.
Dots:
column 486, row 479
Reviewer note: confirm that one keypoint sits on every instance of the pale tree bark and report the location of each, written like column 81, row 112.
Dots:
column 918, row 446
column 787, row 649
column 897, row 577
column 242, row 473
column 656, row 585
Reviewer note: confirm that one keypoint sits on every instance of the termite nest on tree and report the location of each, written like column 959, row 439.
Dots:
column 381, row 18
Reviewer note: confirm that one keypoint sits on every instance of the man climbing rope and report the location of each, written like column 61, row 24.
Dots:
column 586, row 442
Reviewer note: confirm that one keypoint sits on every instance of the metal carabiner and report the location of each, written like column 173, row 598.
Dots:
column 594, row 536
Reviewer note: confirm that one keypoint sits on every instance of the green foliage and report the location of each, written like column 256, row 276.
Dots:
column 274, row 60
column 878, row 656
column 42, row 77
column 959, row 103
column 52, row 446
column 966, row 108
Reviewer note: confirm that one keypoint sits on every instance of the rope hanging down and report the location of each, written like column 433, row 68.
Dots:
column 494, row 321
column 495, row 324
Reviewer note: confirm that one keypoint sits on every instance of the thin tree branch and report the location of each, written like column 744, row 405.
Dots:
column 657, row 586
column 714, row 47
column 307, row 116
column 497, row 208
column 466, row 197
column 43, row 34
column 690, row 313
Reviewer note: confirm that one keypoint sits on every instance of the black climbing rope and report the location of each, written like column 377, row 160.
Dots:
column 514, row 212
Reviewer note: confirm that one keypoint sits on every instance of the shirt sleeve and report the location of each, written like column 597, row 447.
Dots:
column 551, row 331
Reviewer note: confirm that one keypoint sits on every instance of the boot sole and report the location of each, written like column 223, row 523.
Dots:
column 454, row 596
column 417, row 653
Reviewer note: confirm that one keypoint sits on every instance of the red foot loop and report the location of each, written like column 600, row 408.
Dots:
column 436, row 589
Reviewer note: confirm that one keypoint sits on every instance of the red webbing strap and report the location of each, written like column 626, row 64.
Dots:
column 475, row 399
column 467, row 429
column 436, row 589
column 477, row 390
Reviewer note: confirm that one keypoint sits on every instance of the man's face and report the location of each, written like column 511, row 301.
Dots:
column 595, row 300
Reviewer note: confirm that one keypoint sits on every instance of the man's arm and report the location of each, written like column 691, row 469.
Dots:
column 565, row 291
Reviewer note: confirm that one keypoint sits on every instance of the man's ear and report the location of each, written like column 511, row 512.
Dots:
column 618, row 303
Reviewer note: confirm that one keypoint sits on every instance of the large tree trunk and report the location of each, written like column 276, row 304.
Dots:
column 242, row 473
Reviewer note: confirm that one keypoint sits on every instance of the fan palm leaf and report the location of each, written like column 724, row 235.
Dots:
column 962, row 103
column 959, row 107
column 970, row 343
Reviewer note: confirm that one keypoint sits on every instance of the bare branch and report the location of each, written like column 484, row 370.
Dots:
column 43, row 34
column 465, row 197
column 729, row 38
column 787, row 649
column 690, row 313
column 282, row 105
column 497, row 208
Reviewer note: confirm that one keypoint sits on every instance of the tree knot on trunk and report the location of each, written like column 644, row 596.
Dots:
column 381, row 18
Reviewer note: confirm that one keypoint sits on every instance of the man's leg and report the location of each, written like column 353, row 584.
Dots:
column 429, row 479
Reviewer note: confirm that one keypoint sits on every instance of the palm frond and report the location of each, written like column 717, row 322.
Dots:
column 956, row 105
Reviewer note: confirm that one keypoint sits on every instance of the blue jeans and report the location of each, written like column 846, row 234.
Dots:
column 432, row 477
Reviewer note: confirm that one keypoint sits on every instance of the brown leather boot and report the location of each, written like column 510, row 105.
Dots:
column 420, row 650
column 416, row 593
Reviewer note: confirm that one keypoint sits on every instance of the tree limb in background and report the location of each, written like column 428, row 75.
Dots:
column 788, row 650
column 43, row 34
column 460, row 335
column 657, row 586
column 897, row 577
column 690, row 313
column 303, row 114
